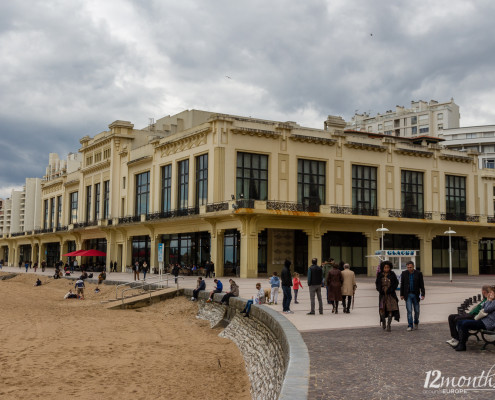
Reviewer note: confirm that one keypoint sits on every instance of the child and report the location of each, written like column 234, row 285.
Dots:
column 256, row 299
column 275, row 286
column 296, row 285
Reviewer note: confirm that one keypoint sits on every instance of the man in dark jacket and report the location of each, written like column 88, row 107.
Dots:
column 286, row 287
column 315, row 277
column 412, row 290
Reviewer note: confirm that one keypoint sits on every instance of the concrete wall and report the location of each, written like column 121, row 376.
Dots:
column 275, row 354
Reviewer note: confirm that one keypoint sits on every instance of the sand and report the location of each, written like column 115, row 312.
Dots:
column 51, row 348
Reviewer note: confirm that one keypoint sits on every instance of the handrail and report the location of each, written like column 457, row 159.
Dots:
column 130, row 283
column 142, row 284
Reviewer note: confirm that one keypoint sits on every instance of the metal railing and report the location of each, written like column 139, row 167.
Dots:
column 410, row 214
column 173, row 213
column 292, row 206
column 459, row 217
column 221, row 206
column 148, row 286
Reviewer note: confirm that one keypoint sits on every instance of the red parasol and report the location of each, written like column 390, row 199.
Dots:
column 73, row 253
column 92, row 253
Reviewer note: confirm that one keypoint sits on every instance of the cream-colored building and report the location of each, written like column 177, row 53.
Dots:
column 421, row 119
column 249, row 193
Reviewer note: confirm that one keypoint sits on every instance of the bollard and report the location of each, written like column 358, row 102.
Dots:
column 479, row 297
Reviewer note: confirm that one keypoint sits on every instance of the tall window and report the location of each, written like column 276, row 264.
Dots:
column 311, row 183
column 45, row 213
column 73, row 208
column 59, row 211
column 201, row 180
column 183, row 179
column 141, row 249
column 97, row 201
column 142, row 193
column 52, row 212
column 252, row 176
column 166, row 187
column 455, row 197
column 106, row 199
column 88, row 203
column 412, row 194
column 364, row 201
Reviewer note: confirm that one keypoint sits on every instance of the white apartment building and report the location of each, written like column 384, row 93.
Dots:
column 477, row 139
column 21, row 212
column 421, row 119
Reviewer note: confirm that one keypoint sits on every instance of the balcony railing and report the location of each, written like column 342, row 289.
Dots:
column 213, row 207
column 85, row 224
column 490, row 219
column 61, row 228
column 459, row 217
column 348, row 210
column 345, row 210
column 15, row 234
column 129, row 219
column 245, row 203
column 172, row 213
column 291, row 206
column 410, row 214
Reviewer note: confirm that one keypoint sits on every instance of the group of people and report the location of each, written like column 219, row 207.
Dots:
column 481, row 317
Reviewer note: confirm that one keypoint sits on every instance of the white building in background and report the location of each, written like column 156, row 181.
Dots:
column 480, row 139
column 21, row 212
column 421, row 119
column 57, row 167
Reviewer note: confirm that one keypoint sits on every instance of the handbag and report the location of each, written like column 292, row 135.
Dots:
column 480, row 315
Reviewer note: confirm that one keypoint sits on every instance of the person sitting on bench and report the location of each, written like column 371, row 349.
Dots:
column 484, row 323
column 455, row 319
column 218, row 289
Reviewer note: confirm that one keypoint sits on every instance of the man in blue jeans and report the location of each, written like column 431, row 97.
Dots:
column 412, row 290
column 286, row 279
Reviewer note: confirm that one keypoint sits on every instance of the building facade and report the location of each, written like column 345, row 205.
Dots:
column 249, row 193
column 423, row 118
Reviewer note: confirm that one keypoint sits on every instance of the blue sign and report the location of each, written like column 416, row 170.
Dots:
column 160, row 252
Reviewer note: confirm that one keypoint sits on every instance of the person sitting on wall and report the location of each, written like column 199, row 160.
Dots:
column 234, row 292
column 201, row 285
column 218, row 289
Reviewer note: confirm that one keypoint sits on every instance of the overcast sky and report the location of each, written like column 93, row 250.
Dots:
column 70, row 68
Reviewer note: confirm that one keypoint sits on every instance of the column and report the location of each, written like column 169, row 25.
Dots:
column 373, row 244
column 425, row 255
column 12, row 261
column 33, row 253
column 111, row 250
column 63, row 250
column 216, row 250
column 314, row 247
column 41, row 253
column 249, row 255
column 153, row 253
column 473, row 256
column 127, row 254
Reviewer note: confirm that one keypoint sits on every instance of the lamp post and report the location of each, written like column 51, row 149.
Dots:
column 450, row 232
column 382, row 230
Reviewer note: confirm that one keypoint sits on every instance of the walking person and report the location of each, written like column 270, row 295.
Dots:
column 334, row 282
column 386, row 283
column 208, row 269
column 43, row 266
column 296, row 282
column 326, row 266
column 286, row 287
column 412, row 290
column 315, row 277
column 145, row 269
column 274, row 288
column 175, row 272
column 348, row 287
column 26, row 265
column 35, row 266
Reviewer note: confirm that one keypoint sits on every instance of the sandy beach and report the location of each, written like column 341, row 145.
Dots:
column 51, row 348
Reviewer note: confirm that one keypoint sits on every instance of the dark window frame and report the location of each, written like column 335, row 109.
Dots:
column 142, row 193
column 252, row 176
column 412, row 193
column 364, row 189
column 311, row 182
column 166, row 173
column 455, row 197
column 201, row 180
column 183, row 184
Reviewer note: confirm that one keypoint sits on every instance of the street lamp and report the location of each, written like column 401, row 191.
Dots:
column 382, row 230
column 450, row 232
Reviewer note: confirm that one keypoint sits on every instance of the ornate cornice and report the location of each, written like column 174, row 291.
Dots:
column 52, row 188
column 256, row 132
column 366, row 146
column 413, row 152
column 456, row 158
column 96, row 167
column 313, row 139
column 140, row 160
column 180, row 144
column 72, row 182
column 98, row 143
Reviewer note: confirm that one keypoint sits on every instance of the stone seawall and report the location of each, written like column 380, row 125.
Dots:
column 275, row 354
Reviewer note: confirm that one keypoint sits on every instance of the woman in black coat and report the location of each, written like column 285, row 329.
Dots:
column 386, row 284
